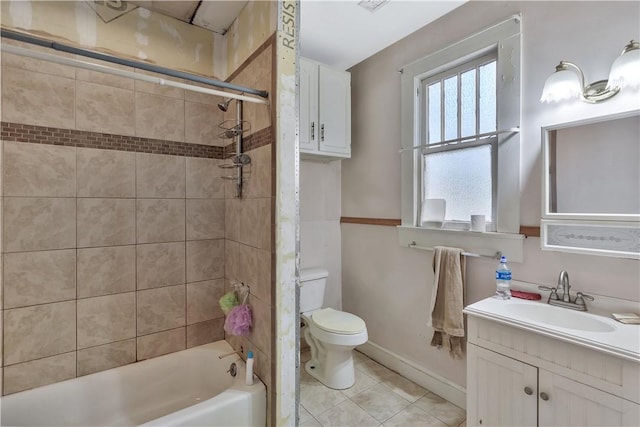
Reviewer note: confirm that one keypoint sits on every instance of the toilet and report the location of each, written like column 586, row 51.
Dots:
column 331, row 334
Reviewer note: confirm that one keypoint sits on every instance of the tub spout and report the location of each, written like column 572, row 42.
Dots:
column 222, row 356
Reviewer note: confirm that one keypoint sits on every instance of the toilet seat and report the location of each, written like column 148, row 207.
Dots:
column 338, row 322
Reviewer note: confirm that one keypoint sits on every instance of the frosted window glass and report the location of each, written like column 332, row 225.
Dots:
column 468, row 100
column 463, row 178
column 434, row 133
column 488, row 97
column 451, row 108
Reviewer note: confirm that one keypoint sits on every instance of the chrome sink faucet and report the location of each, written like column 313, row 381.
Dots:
column 565, row 299
column 563, row 283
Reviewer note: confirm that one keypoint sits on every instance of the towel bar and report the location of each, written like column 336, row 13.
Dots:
column 497, row 255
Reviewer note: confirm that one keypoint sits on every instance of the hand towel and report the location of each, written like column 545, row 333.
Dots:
column 447, row 300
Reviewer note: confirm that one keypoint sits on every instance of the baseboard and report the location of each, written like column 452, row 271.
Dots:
column 418, row 374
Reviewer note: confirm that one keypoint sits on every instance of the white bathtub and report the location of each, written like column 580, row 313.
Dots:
column 187, row 388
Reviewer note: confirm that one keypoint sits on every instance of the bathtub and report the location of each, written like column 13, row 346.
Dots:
column 188, row 388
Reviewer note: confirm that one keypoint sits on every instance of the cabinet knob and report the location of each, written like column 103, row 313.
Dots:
column 528, row 391
column 544, row 396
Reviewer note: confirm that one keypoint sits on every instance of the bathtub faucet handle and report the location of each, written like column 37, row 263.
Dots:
column 231, row 353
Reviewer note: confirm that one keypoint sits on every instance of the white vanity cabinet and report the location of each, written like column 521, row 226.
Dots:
column 325, row 111
column 518, row 377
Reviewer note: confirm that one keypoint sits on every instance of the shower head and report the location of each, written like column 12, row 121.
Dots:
column 224, row 105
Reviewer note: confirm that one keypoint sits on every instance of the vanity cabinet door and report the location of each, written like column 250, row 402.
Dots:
column 564, row 402
column 501, row 391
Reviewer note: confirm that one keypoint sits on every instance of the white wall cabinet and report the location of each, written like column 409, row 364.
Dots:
column 519, row 378
column 325, row 111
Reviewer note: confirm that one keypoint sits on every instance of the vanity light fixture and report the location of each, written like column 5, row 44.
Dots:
column 568, row 80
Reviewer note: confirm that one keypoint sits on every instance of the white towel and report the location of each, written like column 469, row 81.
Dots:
column 447, row 300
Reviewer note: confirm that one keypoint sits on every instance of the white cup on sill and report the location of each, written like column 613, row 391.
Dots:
column 478, row 223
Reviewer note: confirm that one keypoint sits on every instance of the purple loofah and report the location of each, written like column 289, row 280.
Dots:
column 239, row 320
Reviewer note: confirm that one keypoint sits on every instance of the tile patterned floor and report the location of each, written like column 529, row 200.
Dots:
column 380, row 397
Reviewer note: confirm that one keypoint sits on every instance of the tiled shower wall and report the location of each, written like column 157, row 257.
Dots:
column 249, row 249
column 114, row 252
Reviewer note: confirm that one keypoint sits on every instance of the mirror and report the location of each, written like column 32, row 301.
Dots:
column 591, row 197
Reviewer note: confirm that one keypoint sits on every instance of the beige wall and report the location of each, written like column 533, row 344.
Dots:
column 382, row 282
column 138, row 35
column 253, row 26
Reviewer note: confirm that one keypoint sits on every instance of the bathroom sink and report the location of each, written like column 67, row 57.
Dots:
column 559, row 317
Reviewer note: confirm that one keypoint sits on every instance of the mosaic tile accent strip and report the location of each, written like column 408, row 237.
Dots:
column 77, row 138
column 255, row 140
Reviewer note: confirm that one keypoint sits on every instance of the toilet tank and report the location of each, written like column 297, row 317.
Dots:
column 312, row 284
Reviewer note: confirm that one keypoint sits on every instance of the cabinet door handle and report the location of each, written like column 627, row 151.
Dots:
column 313, row 130
column 528, row 391
column 322, row 132
column 544, row 396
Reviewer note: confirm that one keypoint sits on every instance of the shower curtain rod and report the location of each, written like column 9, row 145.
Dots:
column 140, row 65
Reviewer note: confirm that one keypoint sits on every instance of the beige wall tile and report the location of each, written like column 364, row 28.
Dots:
column 38, row 65
column 106, row 173
column 205, row 260
column 155, row 345
column 248, row 265
column 152, row 88
column 160, row 176
column 265, row 224
column 107, row 109
column 106, row 356
column 161, row 309
column 202, row 300
column 200, row 125
column 39, row 277
column 232, row 219
column 161, row 264
column 205, row 332
column 37, row 99
column 37, row 373
column 159, row 117
column 258, row 182
column 32, row 224
column 232, row 260
column 160, row 220
column 104, row 78
column 39, row 331
column 204, row 179
column 248, row 231
column 106, row 319
column 205, row 219
column 106, row 270
column 39, row 170
column 261, row 330
column 106, row 222
column 264, row 283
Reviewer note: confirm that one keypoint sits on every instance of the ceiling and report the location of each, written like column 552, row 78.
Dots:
column 339, row 33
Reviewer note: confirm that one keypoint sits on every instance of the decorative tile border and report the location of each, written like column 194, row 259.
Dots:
column 255, row 140
column 76, row 138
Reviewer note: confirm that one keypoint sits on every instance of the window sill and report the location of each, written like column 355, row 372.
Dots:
column 511, row 245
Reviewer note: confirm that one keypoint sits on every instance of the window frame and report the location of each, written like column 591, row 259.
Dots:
column 437, row 147
column 505, row 39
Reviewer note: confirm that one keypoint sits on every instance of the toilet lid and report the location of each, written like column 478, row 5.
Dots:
column 338, row 321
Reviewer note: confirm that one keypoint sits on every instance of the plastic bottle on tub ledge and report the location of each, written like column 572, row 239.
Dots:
column 503, row 280
column 248, row 379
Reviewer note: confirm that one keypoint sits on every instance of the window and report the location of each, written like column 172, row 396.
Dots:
column 459, row 108
column 457, row 166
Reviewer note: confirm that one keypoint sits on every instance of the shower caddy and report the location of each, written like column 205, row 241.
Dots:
column 233, row 129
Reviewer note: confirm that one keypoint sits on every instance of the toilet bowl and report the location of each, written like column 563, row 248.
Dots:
column 331, row 334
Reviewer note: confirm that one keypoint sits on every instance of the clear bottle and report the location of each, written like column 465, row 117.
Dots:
column 503, row 280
